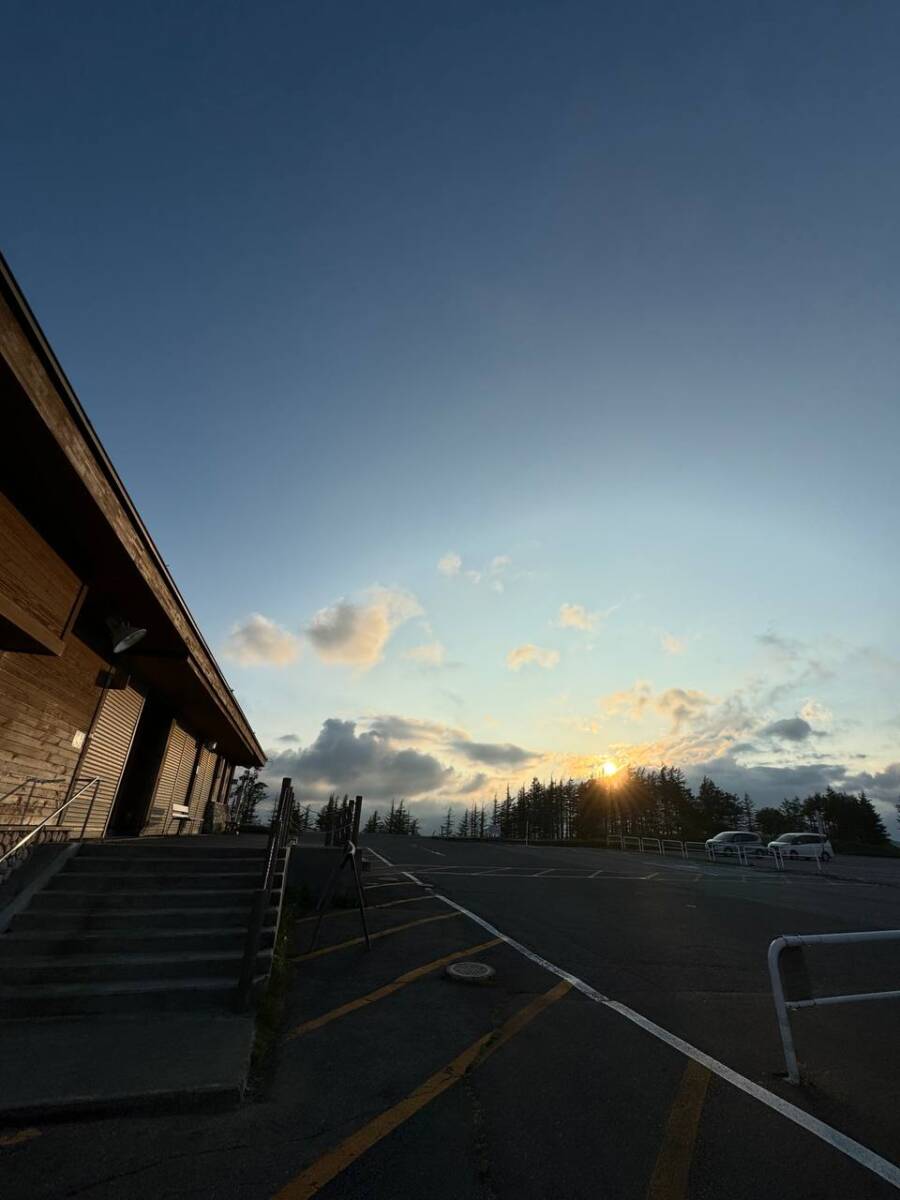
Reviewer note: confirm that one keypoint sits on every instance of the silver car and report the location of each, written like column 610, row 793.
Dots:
column 736, row 841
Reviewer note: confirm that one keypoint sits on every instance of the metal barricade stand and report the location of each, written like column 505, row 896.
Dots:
column 347, row 831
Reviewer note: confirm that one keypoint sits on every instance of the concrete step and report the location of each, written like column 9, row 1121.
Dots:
column 153, row 864
column 166, row 848
column 90, row 969
column 143, row 898
column 153, row 1063
column 66, row 921
column 140, row 881
column 77, row 943
column 116, row 997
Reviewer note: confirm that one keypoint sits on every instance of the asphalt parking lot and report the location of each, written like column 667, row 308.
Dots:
column 626, row 1047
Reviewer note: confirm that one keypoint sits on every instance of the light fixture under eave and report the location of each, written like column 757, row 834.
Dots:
column 123, row 634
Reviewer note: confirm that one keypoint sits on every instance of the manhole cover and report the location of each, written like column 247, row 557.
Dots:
column 470, row 972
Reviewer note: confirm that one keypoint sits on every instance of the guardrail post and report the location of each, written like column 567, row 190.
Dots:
column 781, row 1010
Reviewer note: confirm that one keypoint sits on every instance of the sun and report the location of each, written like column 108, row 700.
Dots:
column 609, row 768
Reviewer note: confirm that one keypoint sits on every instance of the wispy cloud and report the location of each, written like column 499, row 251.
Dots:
column 672, row 644
column 679, row 705
column 531, row 655
column 576, row 616
column 259, row 641
column 493, row 573
column 429, row 654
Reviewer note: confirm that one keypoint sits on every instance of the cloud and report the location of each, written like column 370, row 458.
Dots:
column 493, row 754
column 258, row 641
column 528, row 653
column 356, row 634
column 288, row 737
column 576, row 616
column 681, row 706
column 430, row 654
column 813, row 711
column 451, row 564
column 672, row 644
column 791, row 729
column 475, row 783
column 413, row 729
column 364, row 763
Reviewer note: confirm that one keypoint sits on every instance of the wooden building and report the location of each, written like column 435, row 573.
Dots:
column 154, row 721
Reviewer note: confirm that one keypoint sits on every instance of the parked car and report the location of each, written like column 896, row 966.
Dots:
column 803, row 845
column 734, row 841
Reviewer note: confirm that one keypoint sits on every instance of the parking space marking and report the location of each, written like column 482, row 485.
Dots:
column 389, row 988
column 382, row 933
column 669, row 1180
column 20, row 1136
column 331, row 1164
column 848, row 1146
column 348, row 912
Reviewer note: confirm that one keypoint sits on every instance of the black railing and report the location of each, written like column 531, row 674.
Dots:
column 77, row 789
column 278, row 837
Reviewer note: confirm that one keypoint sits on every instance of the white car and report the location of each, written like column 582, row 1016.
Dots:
column 803, row 845
column 736, row 842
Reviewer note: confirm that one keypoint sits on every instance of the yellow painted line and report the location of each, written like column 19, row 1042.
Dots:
column 343, row 912
column 326, row 1168
column 22, row 1135
column 388, row 989
column 372, row 936
column 669, row 1180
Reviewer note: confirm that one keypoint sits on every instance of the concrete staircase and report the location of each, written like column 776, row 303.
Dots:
column 131, row 926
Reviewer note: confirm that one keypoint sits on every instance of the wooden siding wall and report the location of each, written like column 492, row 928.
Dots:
column 39, row 594
column 106, row 755
column 43, row 702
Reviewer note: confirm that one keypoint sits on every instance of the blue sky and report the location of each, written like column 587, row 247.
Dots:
column 595, row 304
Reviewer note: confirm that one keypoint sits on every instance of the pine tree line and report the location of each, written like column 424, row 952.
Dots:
column 659, row 803
column 398, row 820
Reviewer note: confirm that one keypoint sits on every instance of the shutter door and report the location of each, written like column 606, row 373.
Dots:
column 173, row 780
column 202, row 787
column 105, row 757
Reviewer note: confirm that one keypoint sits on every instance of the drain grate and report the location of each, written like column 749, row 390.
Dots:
column 470, row 972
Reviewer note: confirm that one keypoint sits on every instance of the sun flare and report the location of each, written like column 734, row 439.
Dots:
column 609, row 768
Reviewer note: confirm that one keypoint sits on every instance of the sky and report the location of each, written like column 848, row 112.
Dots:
column 511, row 388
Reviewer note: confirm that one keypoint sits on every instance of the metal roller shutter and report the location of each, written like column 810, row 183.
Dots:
column 173, row 779
column 105, row 757
column 202, row 786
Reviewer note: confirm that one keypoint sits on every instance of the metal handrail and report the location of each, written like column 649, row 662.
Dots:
column 33, row 780
column 783, row 1006
column 278, row 832
column 93, row 782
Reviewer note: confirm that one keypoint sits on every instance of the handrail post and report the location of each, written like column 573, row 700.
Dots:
column 261, row 900
column 781, row 1009
column 87, row 815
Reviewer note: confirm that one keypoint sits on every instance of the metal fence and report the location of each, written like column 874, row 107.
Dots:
column 783, row 1007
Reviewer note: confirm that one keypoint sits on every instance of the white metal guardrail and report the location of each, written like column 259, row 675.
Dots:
column 784, row 1007
column 653, row 843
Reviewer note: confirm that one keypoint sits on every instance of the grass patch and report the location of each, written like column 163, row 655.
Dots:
column 270, row 1011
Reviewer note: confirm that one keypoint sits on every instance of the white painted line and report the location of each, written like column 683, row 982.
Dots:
column 387, row 862
column 832, row 1137
column 595, row 874
column 545, row 872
